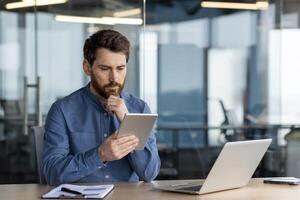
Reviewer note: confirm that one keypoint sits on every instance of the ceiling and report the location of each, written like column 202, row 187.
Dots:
column 83, row 6
column 157, row 11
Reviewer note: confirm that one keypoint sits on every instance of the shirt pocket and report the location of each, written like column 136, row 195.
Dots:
column 82, row 141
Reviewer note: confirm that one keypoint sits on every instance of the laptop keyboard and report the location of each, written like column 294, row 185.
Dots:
column 191, row 188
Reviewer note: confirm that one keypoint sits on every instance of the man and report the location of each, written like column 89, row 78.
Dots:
column 80, row 144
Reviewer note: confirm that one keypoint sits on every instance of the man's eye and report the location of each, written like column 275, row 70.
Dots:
column 104, row 68
column 121, row 68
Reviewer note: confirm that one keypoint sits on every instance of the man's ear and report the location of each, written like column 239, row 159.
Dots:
column 87, row 67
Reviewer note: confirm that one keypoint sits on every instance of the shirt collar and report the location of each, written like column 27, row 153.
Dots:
column 93, row 97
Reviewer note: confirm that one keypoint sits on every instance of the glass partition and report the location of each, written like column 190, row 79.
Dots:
column 41, row 55
column 223, row 75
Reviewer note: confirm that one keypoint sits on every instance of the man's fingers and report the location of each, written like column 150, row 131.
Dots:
column 122, row 143
column 121, row 138
column 127, row 150
column 113, row 100
column 118, row 150
column 129, row 143
column 112, row 97
column 125, row 145
column 124, row 136
column 125, row 139
column 112, row 107
column 128, row 147
column 113, row 103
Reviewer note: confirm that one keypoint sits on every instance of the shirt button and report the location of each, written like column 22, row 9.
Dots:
column 105, row 164
column 106, row 176
column 105, row 134
column 99, row 167
column 105, row 114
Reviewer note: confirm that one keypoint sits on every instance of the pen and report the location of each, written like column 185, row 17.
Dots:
column 89, row 189
column 63, row 189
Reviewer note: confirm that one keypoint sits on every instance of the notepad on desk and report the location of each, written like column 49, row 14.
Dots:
column 79, row 191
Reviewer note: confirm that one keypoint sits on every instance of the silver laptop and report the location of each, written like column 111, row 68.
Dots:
column 233, row 168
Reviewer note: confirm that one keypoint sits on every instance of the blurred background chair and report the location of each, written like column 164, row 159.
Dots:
column 38, row 132
column 12, row 118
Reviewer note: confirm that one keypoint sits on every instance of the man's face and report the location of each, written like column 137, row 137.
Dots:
column 108, row 72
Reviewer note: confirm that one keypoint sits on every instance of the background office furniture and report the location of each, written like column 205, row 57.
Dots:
column 255, row 190
column 12, row 118
column 188, row 163
column 16, row 148
column 293, row 149
column 38, row 133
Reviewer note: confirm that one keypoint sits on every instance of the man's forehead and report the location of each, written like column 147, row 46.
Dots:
column 106, row 52
column 110, row 58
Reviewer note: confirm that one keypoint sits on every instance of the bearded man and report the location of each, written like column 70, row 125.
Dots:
column 80, row 143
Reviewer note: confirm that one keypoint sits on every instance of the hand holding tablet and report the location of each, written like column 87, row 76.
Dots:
column 139, row 124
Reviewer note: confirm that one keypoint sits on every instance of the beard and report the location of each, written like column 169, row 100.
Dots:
column 112, row 88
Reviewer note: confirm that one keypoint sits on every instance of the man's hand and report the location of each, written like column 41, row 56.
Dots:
column 115, row 148
column 117, row 105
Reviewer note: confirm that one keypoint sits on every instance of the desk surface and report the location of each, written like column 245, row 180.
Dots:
column 255, row 190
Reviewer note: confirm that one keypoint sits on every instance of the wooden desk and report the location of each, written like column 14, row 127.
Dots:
column 255, row 190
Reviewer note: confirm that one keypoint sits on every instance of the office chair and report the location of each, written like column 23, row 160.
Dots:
column 38, row 132
column 12, row 119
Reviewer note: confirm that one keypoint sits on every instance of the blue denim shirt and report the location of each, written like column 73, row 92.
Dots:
column 75, row 127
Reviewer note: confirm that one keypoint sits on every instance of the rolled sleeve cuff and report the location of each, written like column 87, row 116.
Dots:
column 93, row 160
column 140, row 156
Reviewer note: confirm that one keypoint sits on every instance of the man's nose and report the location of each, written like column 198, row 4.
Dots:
column 113, row 76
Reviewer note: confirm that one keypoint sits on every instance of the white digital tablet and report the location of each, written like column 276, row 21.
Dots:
column 139, row 124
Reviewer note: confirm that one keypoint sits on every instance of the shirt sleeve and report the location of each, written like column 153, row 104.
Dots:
column 59, row 165
column 146, row 162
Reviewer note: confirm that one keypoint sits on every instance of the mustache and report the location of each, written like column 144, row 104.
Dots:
column 113, row 84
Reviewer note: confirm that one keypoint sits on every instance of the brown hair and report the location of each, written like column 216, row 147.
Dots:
column 109, row 39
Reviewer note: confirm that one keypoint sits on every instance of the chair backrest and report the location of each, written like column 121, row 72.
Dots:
column 38, row 132
column 11, row 107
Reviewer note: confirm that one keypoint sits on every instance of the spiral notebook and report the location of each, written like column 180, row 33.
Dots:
column 70, row 191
